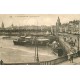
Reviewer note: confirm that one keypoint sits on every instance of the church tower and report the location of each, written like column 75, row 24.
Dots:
column 2, row 25
column 58, row 25
column 12, row 25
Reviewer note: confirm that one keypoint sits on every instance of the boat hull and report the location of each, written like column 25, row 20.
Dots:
column 19, row 43
column 24, row 43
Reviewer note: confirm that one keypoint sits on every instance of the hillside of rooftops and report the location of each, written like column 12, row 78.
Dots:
column 15, row 30
column 69, row 27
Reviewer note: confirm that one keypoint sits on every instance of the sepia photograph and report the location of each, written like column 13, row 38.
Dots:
column 39, row 39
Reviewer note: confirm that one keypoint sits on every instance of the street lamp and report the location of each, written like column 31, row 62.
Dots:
column 36, row 46
column 36, row 50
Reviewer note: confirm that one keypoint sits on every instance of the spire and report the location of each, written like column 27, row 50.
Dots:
column 12, row 25
column 58, row 21
column 2, row 25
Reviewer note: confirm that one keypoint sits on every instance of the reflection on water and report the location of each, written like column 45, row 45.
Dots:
column 14, row 53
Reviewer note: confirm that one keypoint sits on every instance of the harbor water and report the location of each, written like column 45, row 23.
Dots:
column 11, row 53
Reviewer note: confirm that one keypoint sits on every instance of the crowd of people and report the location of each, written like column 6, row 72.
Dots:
column 72, row 43
column 70, row 40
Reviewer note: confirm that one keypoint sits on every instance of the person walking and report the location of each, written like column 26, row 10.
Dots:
column 71, row 59
column 1, row 62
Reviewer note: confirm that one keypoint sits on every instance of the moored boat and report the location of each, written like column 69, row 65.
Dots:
column 29, row 40
column 20, row 41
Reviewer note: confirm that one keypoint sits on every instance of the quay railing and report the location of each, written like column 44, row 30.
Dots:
column 55, row 61
column 50, row 62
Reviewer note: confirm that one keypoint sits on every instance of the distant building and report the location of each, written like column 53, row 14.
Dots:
column 64, row 28
column 72, row 28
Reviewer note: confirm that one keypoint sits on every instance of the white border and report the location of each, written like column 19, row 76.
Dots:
column 39, row 72
column 39, row 6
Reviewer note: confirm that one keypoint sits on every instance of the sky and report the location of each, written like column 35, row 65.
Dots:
column 36, row 19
